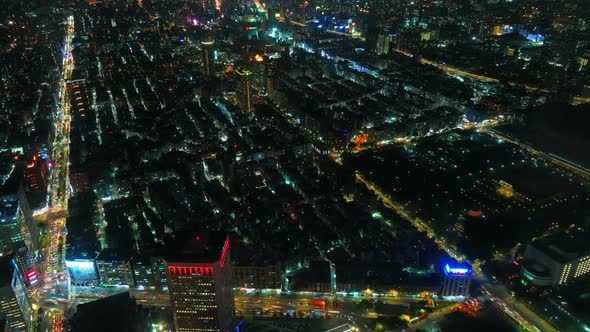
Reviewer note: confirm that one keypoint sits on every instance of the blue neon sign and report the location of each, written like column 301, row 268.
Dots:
column 457, row 270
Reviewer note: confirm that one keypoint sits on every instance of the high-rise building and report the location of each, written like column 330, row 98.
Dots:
column 244, row 90
column 457, row 281
column 35, row 182
column 257, row 66
column 19, row 288
column 29, row 229
column 36, row 174
column 208, row 57
column 11, row 236
column 14, row 301
column 263, row 69
column 382, row 44
column 269, row 74
column 201, row 289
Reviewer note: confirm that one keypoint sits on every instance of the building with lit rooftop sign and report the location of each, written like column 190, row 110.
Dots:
column 457, row 280
column 200, row 286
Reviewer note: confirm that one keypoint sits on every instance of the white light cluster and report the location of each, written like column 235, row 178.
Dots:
column 565, row 273
column 583, row 267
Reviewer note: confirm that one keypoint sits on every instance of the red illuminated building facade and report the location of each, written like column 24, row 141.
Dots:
column 36, row 174
column 201, row 290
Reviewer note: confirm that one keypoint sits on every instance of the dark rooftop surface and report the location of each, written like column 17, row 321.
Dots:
column 113, row 313
column 6, row 270
column 563, row 247
column 203, row 247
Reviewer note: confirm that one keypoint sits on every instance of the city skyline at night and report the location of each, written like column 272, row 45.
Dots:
column 291, row 165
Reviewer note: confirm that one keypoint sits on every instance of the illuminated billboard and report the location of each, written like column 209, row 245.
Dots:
column 82, row 271
column 460, row 270
column 32, row 277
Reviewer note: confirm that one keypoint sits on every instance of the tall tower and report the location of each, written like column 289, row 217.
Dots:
column 208, row 57
column 269, row 71
column 201, row 289
column 244, row 90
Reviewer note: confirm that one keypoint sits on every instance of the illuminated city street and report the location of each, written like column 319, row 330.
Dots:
column 259, row 166
column 53, row 266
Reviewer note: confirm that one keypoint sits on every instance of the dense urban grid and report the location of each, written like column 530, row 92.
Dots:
column 291, row 165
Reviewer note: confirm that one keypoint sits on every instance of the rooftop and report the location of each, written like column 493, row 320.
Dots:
column 563, row 247
column 6, row 270
column 206, row 247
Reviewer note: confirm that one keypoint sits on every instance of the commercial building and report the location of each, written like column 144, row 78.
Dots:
column 200, row 288
column 556, row 259
column 457, row 281
column 244, row 90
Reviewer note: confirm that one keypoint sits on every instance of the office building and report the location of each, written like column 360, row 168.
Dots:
column 556, row 259
column 269, row 74
column 200, row 286
column 457, row 281
column 19, row 288
column 382, row 44
column 10, row 229
column 208, row 57
column 14, row 302
column 244, row 90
